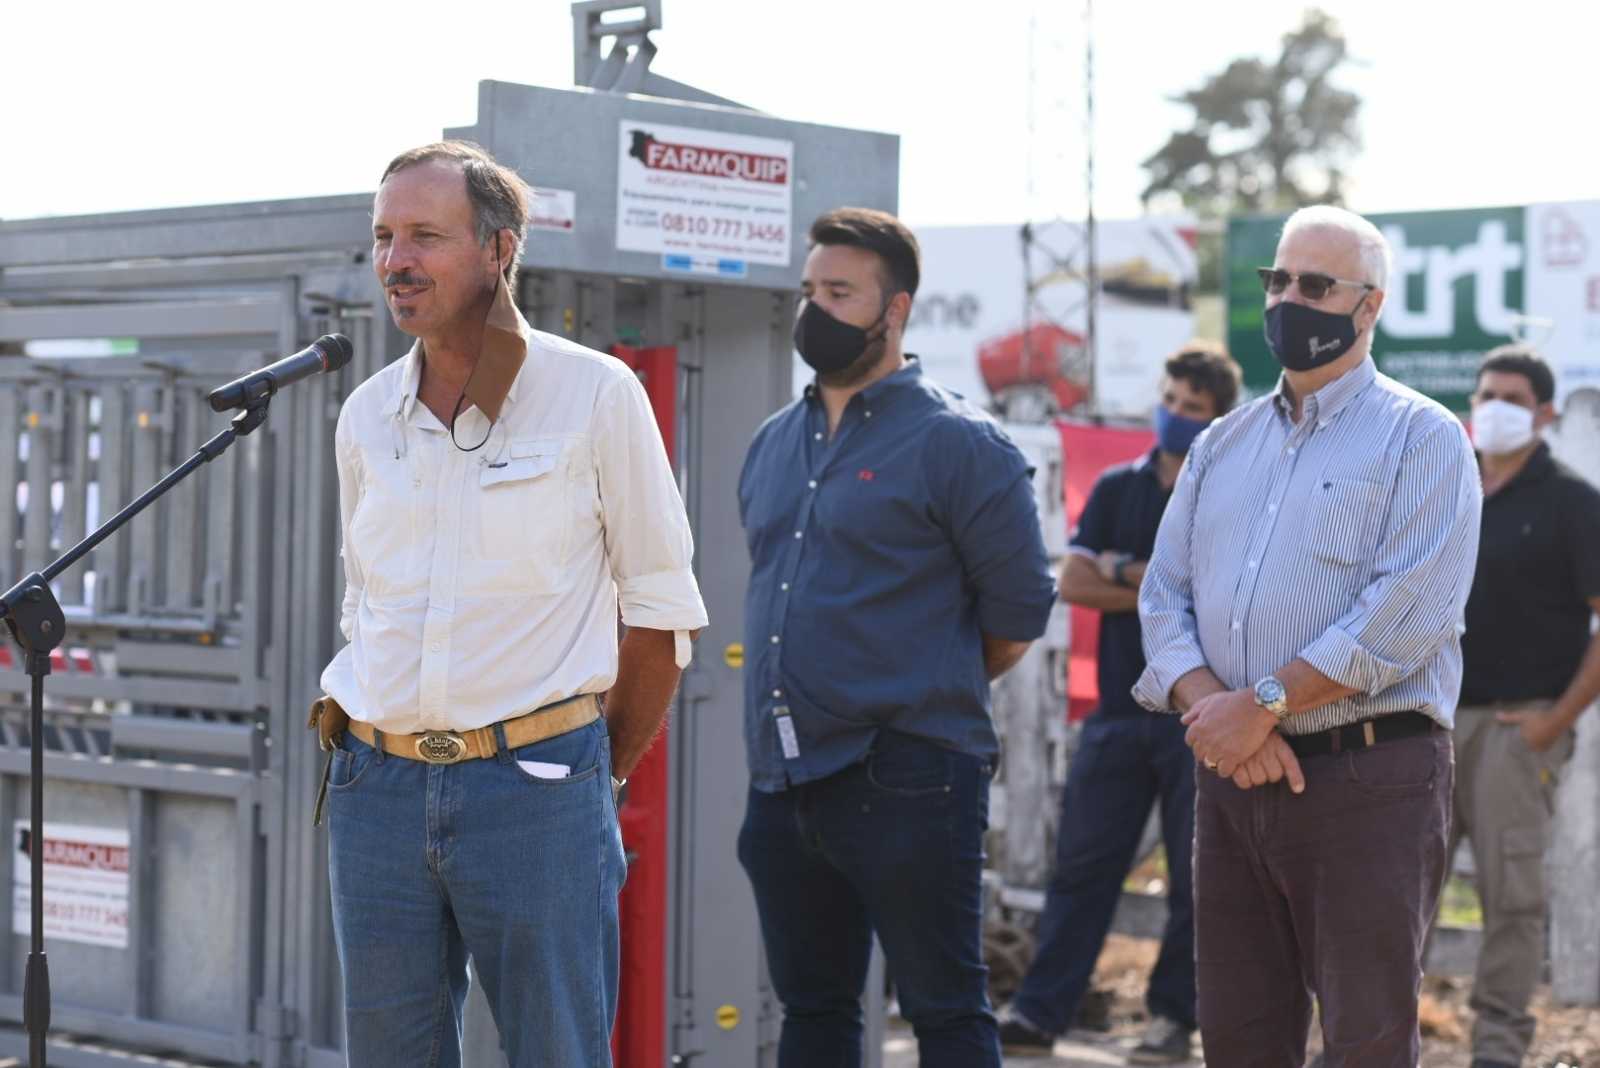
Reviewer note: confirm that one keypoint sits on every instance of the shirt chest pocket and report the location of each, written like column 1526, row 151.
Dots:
column 525, row 504
column 1344, row 520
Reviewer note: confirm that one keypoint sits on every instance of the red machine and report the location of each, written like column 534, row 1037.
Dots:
column 1043, row 359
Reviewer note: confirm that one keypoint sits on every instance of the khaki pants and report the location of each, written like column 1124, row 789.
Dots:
column 1505, row 795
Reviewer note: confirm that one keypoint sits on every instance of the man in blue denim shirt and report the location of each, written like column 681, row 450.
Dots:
column 898, row 567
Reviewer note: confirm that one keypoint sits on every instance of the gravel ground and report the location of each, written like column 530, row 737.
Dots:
column 1568, row 1037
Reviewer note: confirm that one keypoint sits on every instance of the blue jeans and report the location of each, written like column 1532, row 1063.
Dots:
column 893, row 845
column 1124, row 764
column 431, row 864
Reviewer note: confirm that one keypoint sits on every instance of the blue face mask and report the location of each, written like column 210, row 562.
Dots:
column 1175, row 433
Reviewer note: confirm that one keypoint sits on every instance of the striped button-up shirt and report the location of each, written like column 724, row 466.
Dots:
column 1346, row 539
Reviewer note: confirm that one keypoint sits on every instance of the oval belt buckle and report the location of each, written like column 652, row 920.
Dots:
column 441, row 747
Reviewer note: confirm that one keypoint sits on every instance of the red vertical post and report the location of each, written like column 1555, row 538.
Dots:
column 639, row 1040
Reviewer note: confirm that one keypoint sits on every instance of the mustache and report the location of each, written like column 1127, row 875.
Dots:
column 404, row 278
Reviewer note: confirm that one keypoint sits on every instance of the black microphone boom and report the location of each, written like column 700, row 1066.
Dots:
column 328, row 353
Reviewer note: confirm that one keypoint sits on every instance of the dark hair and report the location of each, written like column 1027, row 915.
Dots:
column 498, row 194
column 1525, row 361
column 1207, row 367
column 879, row 233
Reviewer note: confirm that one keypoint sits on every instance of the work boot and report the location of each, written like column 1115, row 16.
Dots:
column 1165, row 1041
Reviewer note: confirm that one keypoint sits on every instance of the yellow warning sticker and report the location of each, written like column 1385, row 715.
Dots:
column 728, row 1017
column 733, row 655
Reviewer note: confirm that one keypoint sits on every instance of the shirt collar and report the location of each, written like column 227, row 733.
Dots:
column 909, row 375
column 504, row 328
column 1540, row 466
column 1326, row 402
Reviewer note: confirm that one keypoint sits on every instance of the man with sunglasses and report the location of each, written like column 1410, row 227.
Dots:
column 1532, row 668
column 1303, row 610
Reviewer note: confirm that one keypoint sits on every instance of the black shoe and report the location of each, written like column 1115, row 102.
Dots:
column 1094, row 1010
column 1165, row 1041
column 1019, row 1037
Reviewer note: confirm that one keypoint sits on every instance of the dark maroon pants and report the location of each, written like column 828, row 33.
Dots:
column 1325, row 895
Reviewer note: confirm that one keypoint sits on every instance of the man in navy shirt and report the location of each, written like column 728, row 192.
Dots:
column 898, row 567
column 1128, row 758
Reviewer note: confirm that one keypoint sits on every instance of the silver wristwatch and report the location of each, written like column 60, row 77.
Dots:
column 1271, row 696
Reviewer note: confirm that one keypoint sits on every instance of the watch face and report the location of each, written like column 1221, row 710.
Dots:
column 1269, row 691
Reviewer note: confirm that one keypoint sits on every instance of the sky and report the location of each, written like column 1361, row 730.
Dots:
column 116, row 106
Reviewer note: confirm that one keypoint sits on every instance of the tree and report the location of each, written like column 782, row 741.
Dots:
column 1265, row 136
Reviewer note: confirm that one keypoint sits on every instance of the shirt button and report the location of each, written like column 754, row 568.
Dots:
column 435, row 647
column 798, row 534
column 784, row 587
column 869, row 414
column 819, row 435
column 1236, row 624
column 812, row 483
column 1252, row 565
column 777, row 693
column 1271, row 508
column 774, row 639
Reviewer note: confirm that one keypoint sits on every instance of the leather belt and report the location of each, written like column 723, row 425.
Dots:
column 1361, row 735
column 452, row 747
column 446, row 747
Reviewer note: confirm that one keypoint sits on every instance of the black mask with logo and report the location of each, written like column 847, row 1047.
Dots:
column 830, row 345
column 1304, row 338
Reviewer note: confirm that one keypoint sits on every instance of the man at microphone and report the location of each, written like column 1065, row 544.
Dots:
column 503, row 494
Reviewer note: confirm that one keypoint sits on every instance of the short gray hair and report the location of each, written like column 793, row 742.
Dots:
column 498, row 194
column 1377, row 259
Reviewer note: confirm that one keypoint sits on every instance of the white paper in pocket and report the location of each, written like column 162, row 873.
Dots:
column 540, row 770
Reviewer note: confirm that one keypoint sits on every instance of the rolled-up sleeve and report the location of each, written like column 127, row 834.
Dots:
column 346, row 461
column 1423, row 571
column 648, row 543
column 994, row 522
column 1166, row 596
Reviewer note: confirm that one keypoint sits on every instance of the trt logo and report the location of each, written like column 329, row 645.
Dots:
column 1487, row 261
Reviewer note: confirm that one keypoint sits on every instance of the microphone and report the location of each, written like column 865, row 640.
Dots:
column 328, row 353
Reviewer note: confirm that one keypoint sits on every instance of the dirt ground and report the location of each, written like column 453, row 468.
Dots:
column 1568, row 1036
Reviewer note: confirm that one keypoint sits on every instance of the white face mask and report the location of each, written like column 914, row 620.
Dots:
column 1499, row 427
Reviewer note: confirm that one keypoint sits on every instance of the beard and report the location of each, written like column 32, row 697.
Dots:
column 856, row 370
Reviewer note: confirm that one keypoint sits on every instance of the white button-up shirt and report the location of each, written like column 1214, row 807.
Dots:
column 483, row 585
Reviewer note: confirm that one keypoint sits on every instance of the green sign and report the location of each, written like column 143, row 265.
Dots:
column 1456, row 291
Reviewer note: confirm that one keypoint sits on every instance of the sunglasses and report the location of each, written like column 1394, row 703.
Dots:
column 1313, row 286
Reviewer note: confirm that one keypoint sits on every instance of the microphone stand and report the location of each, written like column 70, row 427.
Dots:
column 34, row 616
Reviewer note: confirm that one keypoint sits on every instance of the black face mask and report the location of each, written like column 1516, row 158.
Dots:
column 1304, row 338
column 830, row 345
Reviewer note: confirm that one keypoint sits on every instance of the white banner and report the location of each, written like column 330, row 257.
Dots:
column 85, row 884
column 1562, row 276
column 704, row 194
column 967, row 323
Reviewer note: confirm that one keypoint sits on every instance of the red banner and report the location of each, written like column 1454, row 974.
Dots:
column 1087, row 450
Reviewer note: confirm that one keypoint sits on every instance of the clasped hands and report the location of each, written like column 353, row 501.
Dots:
column 1237, row 738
